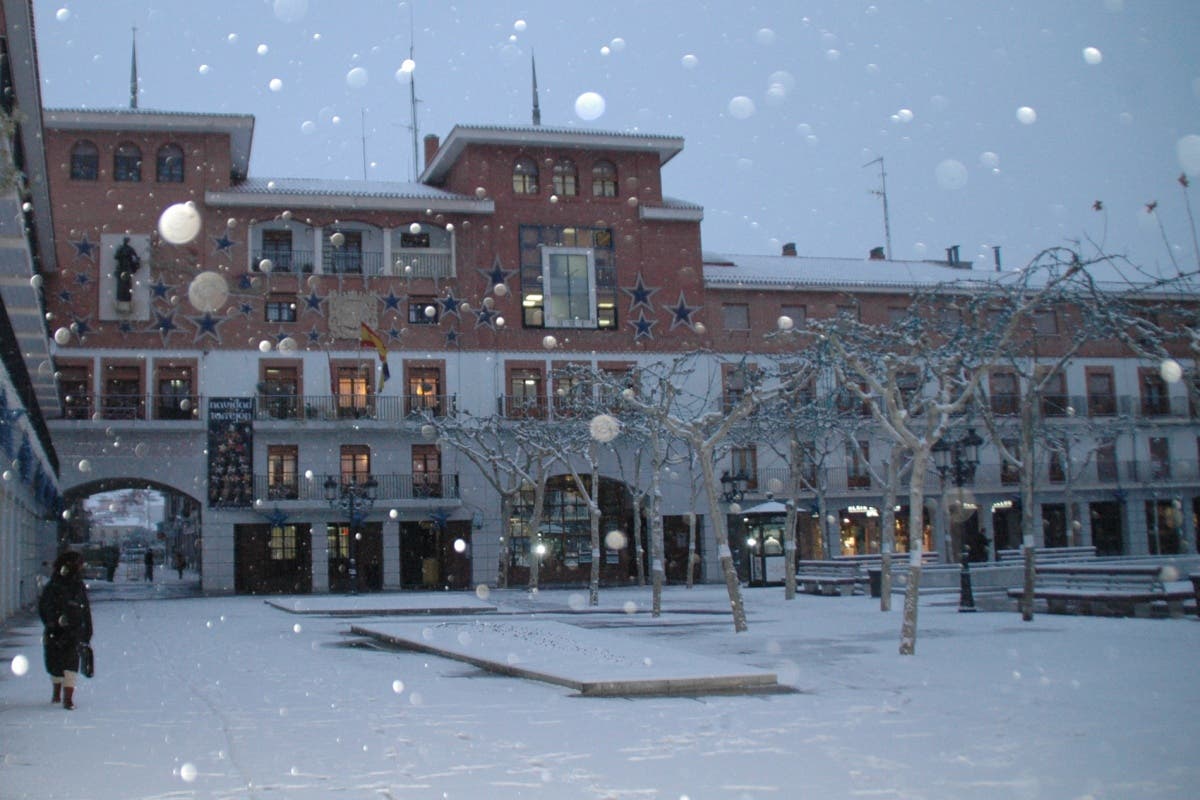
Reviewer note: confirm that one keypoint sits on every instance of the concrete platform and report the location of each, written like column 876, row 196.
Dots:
column 596, row 663
column 383, row 605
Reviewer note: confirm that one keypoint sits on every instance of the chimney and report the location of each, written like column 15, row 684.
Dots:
column 789, row 249
column 952, row 256
column 996, row 256
column 877, row 254
column 431, row 147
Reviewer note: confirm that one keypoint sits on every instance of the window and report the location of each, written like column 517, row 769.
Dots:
column 424, row 391
column 426, row 470
column 525, row 176
column 1005, row 397
column 1045, row 322
column 896, row 315
column 1057, row 471
column 568, row 278
column 85, row 161
column 173, row 398
column 1155, row 402
column 419, row 308
column 169, row 164
column 596, row 243
column 75, row 384
column 352, row 384
column 525, row 395
column 278, row 392
column 604, row 179
column 736, row 381
column 858, row 457
column 744, row 461
column 735, row 316
column 283, row 543
column 1101, row 393
column 282, row 475
column 1106, row 462
column 908, row 384
column 570, row 394
column 1055, row 400
column 1010, row 475
column 355, row 463
column 127, row 163
column 566, row 178
column 797, row 314
column 276, row 248
column 346, row 258
column 123, row 392
column 1160, row 458
column 427, row 253
column 280, row 308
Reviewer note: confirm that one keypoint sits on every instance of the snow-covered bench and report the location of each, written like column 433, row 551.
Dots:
column 1047, row 554
column 827, row 577
column 1120, row 590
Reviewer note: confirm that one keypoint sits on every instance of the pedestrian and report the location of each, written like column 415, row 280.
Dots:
column 180, row 563
column 67, row 617
column 149, row 559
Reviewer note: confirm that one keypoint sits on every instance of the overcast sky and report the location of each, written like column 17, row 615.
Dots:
column 999, row 123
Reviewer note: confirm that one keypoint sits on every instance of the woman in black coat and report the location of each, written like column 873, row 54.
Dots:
column 67, row 616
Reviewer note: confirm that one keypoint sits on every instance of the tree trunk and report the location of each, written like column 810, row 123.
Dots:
column 535, row 532
column 593, row 498
column 916, row 543
column 1028, row 473
column 505, row 540
column 887, row 533
column 691, row 557
column 789, row 525
column 638, row 547
column 656, row 528
column 732, row 586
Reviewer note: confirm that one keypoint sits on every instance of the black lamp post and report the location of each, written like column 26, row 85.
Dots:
column 733, row 487
column 356, row 499
column 957, row 460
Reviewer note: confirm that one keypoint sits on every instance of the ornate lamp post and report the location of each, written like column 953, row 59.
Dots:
column 958, row 459
column 356, row 499
column 733, row 487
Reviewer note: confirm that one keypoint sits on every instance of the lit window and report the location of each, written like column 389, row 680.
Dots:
column 604, row 179
column 85, row 161
column 566, row 178
column 569, row 282
column 525, row 176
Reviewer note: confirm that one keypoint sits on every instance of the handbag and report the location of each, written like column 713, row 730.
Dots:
column 87, row 660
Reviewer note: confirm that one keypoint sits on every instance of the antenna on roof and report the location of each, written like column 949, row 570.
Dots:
column 537, row 111
column 133, row 80
column 362, row 112
column 412, row 90
column 881, row 192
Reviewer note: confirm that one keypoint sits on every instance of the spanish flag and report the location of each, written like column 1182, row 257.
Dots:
column 369, row 338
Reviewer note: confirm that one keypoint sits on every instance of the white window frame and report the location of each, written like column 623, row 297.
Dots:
column 549, row 319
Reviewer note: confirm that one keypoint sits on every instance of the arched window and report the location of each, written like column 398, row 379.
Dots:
column 85, row 161
column 604, row 179
column 127, row 162
column 169, row 164
column 525, row 176
column 566, row 178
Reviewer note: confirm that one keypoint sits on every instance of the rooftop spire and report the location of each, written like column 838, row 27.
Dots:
column 537, row 112
column 133, row 79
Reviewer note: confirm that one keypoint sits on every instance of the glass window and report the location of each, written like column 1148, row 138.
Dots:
column 1106, row 462
column 283, row 543
column 353, row 389
column 169, row 164
column 1160, row 458
column 276, row 248
column 123, row 393
column 355, row 463
column 525, row 395
column 75, row 386
column 282, row 479
column 858, row 456
column 280, row 308
column 525, row 176
column 426, row 470
column 568, row 279
column 744, row 461
column 127, row 163
column 173, row 398
column 1004, row 399
column 1154, row 394
column 85, row 161
column 1045, row 323
column 1054, row 395
column 604, row 179
column 566, row 178
column 797, row 314
column 422, row 310
column 424, row 391
column 1101, row 393
column 736, row 316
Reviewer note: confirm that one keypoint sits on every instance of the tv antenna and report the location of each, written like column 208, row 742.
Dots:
column 881, row 192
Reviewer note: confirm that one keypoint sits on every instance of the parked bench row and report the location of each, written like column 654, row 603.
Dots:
column 1045, row 554
column 1118, row 590
column 845, row 575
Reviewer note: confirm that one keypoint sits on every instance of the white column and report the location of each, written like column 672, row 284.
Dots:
column 320, row 558
column 391, row 554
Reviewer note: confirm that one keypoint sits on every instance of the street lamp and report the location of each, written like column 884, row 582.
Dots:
column 356, row 499
column 957, row 460
column 733, row 487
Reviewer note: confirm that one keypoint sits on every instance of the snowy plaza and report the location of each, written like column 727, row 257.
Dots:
column 235, row 697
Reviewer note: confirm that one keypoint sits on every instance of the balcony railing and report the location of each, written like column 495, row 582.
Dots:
column 370, row 407
column 352, row 262
column 283, row 260
column 422, row 263
column 391, row 487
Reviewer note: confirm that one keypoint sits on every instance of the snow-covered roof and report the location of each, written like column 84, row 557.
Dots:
column 353, row 194
column 783, row 273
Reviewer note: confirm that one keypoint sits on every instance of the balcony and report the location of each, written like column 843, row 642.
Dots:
column 284, row 260
column 352, row 262
column 366, row 408
column 392, row 487
column 423, row 263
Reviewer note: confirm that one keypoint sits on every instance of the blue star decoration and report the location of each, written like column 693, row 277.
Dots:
column 207, row 325
column 642, row 327
column 244, row 282
column 394, row 334
column 81, row 327
column 160, row 288
column 314, row 336
column 165, row 324
column 452, row 337
column 125, row 327
column 84, row 248
column 682, row 313
column 451, row 304
column 313, row 302
column 276, row 517
column 439, row 517
column 246, row 308
column 82, row 278
column 640, row 294
column 486, row 317
column 223, row 244
column 497, row 275
column 64, row 296
column 391, row 302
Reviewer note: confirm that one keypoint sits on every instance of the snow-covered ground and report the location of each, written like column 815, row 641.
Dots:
column 233, row 698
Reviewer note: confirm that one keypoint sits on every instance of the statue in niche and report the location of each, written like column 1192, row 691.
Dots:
column 128, row 263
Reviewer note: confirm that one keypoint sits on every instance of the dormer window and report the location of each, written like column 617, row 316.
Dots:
column 85, row 161
column 604, row 179
column 127, row 163
column 525, row 176
column 566, row 178
column 169, row 164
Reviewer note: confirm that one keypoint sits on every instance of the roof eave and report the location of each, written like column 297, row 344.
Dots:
column 346, row 201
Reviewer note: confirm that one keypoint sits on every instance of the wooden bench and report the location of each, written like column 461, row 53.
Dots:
column 1115, row 590
column 1049, row 554
column 873, row 562
column 827, row 577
